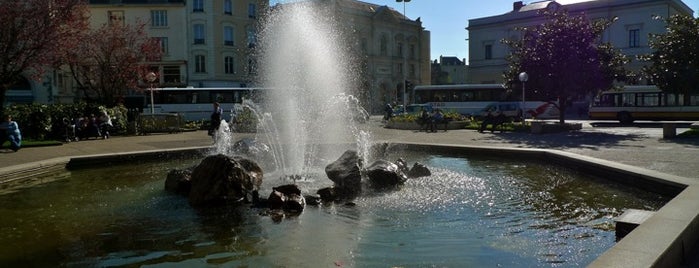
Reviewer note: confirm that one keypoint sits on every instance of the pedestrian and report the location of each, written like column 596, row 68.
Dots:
column 216, row 117
column 388, row 112
column 9, row 130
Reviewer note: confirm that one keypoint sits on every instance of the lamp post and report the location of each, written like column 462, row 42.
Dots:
column 523, row 77
column 405, row 64
column 151, row 78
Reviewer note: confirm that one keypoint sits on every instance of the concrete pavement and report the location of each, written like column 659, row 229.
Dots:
column 636, row 146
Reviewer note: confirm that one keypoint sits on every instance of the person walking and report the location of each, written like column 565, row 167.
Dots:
column 9, row 130
column 216, row 117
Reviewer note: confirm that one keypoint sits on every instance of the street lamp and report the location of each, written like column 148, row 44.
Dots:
column 151, row 78
column 523, row 77
column 405, row 64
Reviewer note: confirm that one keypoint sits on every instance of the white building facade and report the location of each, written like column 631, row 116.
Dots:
column 635, row 20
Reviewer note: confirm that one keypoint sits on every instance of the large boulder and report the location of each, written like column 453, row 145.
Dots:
column 220, row 179
column 178, row 181
column 383, row 174
column 345, row 172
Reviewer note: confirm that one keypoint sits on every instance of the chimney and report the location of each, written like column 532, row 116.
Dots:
column 517, row 6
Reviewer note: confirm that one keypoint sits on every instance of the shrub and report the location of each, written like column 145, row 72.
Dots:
column 46, row 121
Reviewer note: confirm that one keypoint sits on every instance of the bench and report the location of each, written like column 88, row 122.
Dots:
column 495, row 122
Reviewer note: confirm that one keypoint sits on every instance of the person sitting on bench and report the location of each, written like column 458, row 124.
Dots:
column 437, row 118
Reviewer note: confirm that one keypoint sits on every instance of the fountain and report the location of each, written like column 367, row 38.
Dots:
column 306, row 67
column 470, row 212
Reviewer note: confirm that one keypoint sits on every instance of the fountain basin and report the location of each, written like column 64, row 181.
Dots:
column 663, row 183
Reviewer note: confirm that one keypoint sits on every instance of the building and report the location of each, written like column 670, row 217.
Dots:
column 449, row 70
column 206, row 43
column 210, row 44
column 387, row 44
column 629, row 33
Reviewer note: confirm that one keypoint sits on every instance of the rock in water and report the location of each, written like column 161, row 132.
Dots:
column 345, row 172
column 384, row 174
column 179, row 181
column 286, row 197
column 419, row 170
column 220, row 179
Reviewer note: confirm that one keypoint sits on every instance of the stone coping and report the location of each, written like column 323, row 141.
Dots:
column 667, row 239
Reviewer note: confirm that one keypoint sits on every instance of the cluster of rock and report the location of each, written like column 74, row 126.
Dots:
column 221, row 179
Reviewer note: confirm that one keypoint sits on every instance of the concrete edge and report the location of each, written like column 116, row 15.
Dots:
column 88, row 161
column 666, row 239
column 33, row 169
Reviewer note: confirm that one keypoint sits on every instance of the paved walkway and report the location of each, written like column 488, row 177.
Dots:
column 636, row 146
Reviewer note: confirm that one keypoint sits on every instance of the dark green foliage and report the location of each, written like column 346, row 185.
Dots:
column 564, row 58
column 675, row 60
column 46, row 122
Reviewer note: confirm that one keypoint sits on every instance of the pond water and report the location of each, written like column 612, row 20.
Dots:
column 471, row 212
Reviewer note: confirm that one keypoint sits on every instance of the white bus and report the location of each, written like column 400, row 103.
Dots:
column 197, row 103
column 475, row 99
column 643, row 103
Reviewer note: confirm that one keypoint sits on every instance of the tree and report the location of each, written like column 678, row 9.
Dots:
column 564, row 58
column 35, row 35
column 675, row 60
column 113, row 59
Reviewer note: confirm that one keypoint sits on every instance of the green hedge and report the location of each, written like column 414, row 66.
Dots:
column 45, row 121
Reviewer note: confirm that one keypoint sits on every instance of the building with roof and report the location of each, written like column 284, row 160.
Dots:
column 449, row 70
column 211, row 44
column 635, row 20
column 385, row 43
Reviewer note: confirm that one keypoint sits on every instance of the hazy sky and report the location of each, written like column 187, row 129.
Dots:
column 447, row 19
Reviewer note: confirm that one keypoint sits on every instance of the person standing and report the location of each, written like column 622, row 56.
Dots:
column 10, row 131
column 216, row 117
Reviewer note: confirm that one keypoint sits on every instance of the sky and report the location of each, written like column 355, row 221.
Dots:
column 447, row 19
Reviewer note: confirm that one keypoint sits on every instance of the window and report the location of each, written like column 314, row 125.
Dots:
column 199, row 64
column 634, row 38
column 252, row 12
column 227, row 7
column 412, row 70
column 252, row 39
column 228, row 35
column 171, row 73
column 399, row 49
column 412, row 51
column 198, row 6
column 228, row 65
column 384, row 45
column 158, row 18
column 488, row 52
column 163, row 45
column 400, row 68
column 116, row 18
column 199, row 36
